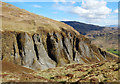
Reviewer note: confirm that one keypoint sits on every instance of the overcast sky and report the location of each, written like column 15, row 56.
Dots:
column 98, row 12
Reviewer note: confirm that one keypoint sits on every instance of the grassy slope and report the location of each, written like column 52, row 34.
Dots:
column 97, row 72
column 114, row 51
column 16, row 73
column 16, row 19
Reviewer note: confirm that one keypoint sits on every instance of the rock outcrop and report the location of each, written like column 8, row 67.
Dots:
column 104, row 37
column 57, row 49
column 44, row 44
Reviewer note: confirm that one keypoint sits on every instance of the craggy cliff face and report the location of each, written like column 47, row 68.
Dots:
column 46, row 50
column 37, row 42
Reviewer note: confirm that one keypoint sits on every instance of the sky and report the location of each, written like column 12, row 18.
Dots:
column 97, row 12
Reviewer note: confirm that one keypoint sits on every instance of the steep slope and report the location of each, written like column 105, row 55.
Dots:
column 38, row 42
column 17, row 73
column 94, row 72
column 103, row 37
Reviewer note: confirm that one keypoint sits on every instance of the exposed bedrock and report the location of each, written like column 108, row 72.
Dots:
column 38, row 42
column 49, row 49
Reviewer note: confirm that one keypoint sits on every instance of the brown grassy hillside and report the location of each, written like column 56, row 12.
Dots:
column 39, row 49
column 16, row 73
column 107, row 38
column 16, row 19
column 94, row 72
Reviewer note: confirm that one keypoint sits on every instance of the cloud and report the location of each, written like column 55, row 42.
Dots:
column 37, row 6
column 116, row 11
column 90, row 10
column 73, row 2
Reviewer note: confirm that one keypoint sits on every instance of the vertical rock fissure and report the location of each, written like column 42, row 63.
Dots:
column 102, row 52
column 55, row 36
column 74, row 55
column 77, row 44
column 70, row 37
column 63, row 41
column 35, row 48
column 50, row 48
column 1, row 57
column 20, row 47
column 65, row 31
column 73, row 48
column 14, row 49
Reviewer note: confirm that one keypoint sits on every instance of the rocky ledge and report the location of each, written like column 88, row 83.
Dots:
column 38, row 42
column 49, row 49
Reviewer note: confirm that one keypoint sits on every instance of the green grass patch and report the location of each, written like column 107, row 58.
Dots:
column 114, row 51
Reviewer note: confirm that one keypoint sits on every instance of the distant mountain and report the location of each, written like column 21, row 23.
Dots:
column 82, row 27
column 40, row 43
column 104, row 37
column 33, row 43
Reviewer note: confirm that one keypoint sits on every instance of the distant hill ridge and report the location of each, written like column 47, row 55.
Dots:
column 83, row 28
column 38, row 42
column 104, row 37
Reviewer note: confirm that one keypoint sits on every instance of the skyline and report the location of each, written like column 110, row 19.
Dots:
column 54, row 0
column 98, row 12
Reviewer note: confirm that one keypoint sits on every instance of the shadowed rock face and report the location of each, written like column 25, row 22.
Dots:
column 104, row 37
column 45, row 44
column 57, row 49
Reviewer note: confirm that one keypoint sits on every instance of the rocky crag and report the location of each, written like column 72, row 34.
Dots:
column 103, row 37
column 38, row 42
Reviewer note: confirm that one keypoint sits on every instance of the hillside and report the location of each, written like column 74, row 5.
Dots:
column 103, row 72
column 15, row 73
column 95, row 72
column 83, row 28
column 107, row 38
column 38, row 42
column 103, row 37
column 35, row 43
column 20, row 20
